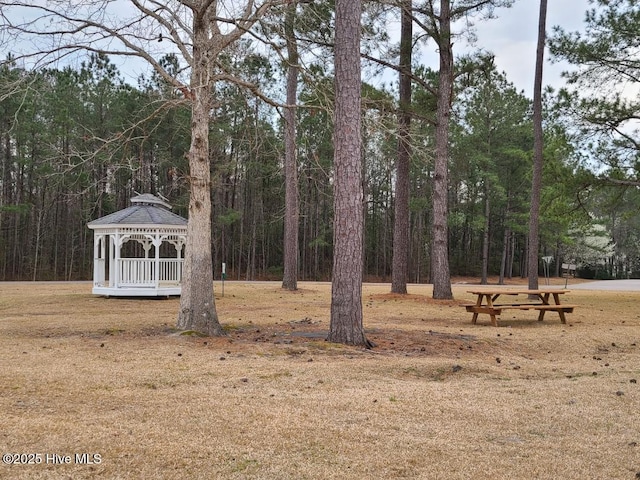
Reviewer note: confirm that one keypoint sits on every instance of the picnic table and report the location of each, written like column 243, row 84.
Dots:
column 538, row 299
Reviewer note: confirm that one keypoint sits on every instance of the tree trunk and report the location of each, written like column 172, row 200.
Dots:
column 504, row 256
column 440, row 274
column 346, row 288
column 538, row 146
column 400, row 262
column 505, row 266
column 197, row 304
column 291, row 215
column 486, row 235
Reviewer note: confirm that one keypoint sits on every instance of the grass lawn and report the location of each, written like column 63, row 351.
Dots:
column 438, row 398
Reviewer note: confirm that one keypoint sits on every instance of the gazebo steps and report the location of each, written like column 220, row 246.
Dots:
column 137, row 291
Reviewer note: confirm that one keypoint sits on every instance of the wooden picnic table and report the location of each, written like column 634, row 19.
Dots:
column 536, row 300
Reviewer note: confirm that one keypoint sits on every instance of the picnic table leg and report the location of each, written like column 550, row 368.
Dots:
column 556, row 298
column 562, row 317
column 494, row 320
column 486, row 307
column 478, row 304
column 544, row 297
column 545, row 301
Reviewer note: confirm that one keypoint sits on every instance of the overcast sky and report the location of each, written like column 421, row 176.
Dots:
column 512, row 37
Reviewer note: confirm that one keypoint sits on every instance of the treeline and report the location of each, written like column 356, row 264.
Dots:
column 76, row 144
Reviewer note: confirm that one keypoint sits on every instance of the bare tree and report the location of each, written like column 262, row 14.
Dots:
column 46, row 32
column 538, row 146
column 346, row 292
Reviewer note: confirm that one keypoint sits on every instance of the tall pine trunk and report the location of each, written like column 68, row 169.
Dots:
column 346, row 287
column 400, row 261
column 440, row 273
column 291, row 214
column 538, row 146
column 505, row 243
column 486, row 236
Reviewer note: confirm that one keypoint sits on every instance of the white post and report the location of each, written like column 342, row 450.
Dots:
column 224, row 275
column 96, row 258
column 156, row 243
column 111, row 261
column 178, row 246
column 116, row 259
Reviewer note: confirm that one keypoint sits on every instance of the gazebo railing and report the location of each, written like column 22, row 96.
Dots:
column 141, row 272
column 171, row 270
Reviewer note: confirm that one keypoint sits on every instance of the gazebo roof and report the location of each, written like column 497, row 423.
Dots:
column 146, row 209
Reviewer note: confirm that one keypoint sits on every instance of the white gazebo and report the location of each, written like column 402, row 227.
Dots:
column 138, row 251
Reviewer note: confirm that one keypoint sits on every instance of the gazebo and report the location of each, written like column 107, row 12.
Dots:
column 138, row 251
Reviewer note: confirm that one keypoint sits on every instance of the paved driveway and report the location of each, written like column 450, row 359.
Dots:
column 614, row 285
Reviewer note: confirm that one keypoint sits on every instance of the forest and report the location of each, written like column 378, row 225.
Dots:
column 78, row 140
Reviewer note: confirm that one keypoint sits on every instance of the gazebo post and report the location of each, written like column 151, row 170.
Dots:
column 103, row 255
column 156, row 243
column 178, row 246
column 97, row 265
column 112, row 261
column 116, row 260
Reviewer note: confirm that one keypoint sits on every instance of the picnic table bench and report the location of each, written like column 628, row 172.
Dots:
column 536, row 300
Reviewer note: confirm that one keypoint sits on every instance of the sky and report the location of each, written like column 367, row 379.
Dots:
column 513, row 36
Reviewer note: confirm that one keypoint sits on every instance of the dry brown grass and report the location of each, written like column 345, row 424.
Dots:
column 438, row 398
